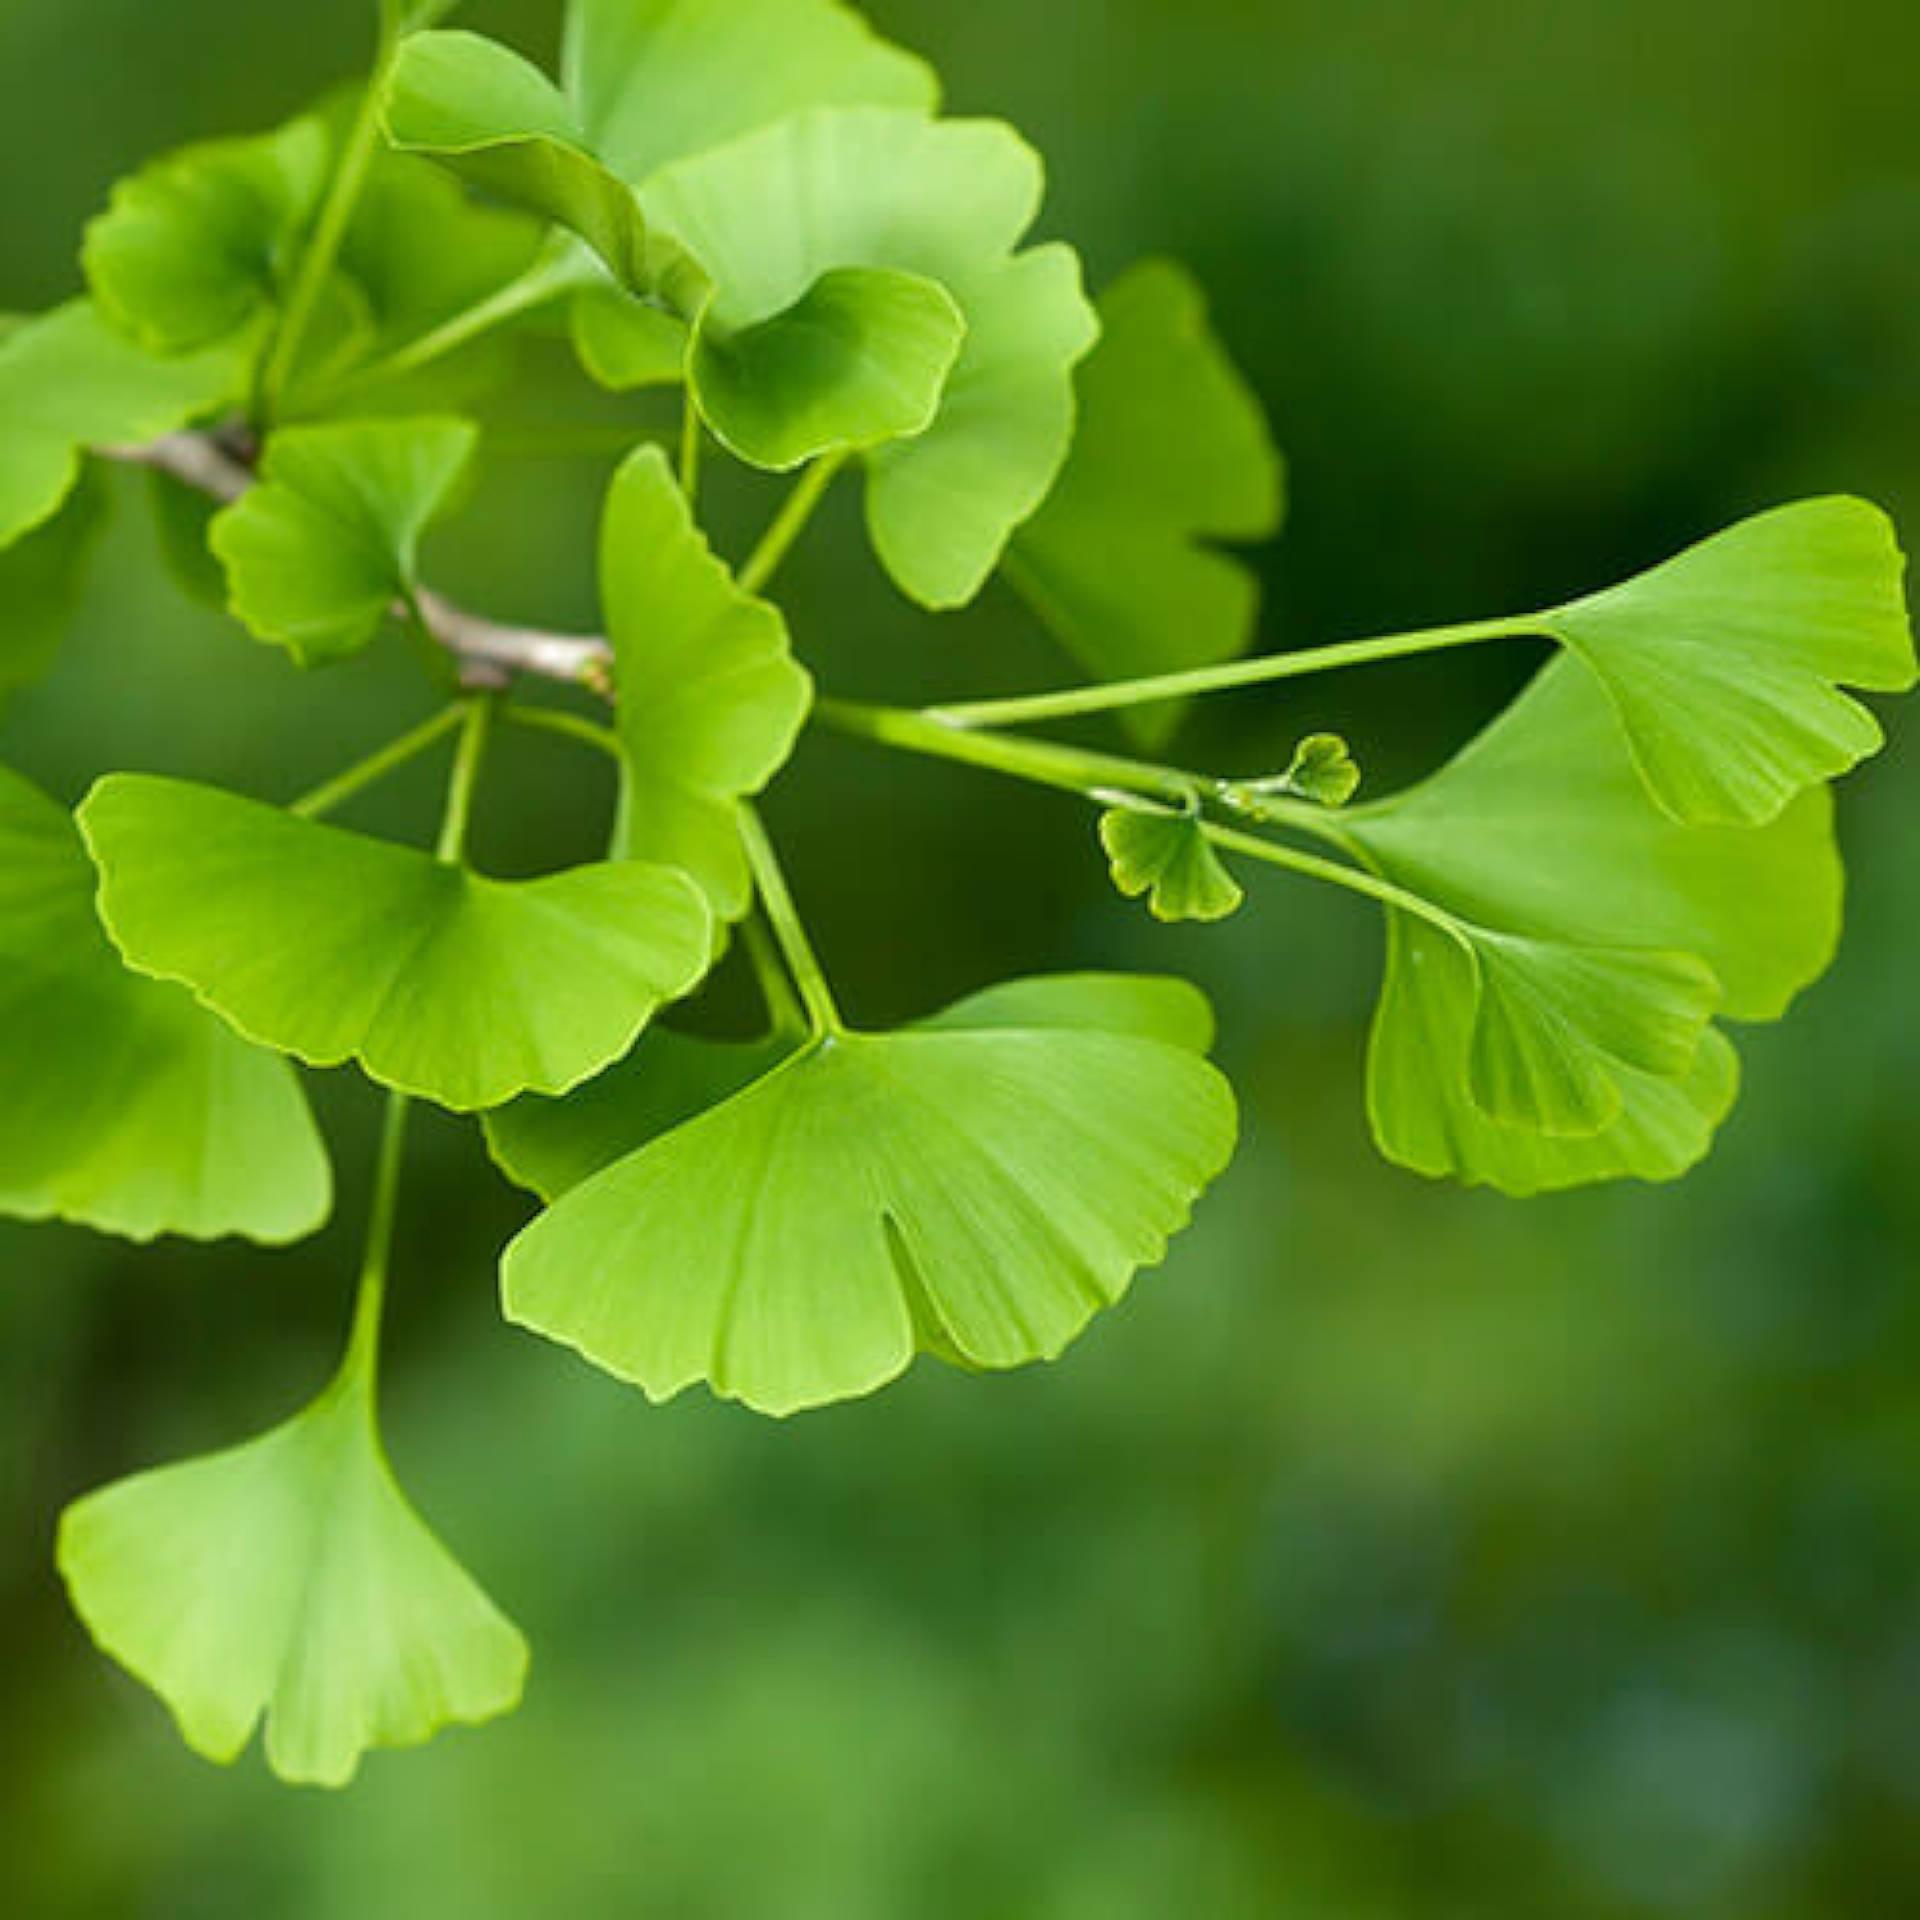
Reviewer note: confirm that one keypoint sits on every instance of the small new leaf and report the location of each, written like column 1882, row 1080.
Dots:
column 711, row 700
column 1166, row 856
column 318, row 553
column 290, row 1578
column 1323, row 771
column 332, row 946
column 123, row 1105
column 975, row 1192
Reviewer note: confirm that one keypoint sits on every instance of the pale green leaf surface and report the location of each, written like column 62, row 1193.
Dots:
column 318, row 552
column 624, row 344
column 1172, row 455
column 979, row 1194
column 68, row 381
column 40, row 582
column 948, row 201
column 332, row 946
column 291, row 1579
column 1541, row 832
column 1727, row 664
column 549, row 1146
column 711, row 699
column 1165, row 858
column 196, row 244
column 123, row 1105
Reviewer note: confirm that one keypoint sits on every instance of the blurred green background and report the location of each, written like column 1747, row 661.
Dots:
column 1394, row 1551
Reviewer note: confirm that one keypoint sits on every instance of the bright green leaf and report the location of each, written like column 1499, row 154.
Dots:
column 68, row 382
column 1323, row 770
column 1726, row 665
column 318, row 552
column 290, row 1578
column 625, row 344
column 1542, row 832
column 197, row 243
column 549, row 1146
column 40, row 581
column 710, row 698
column 331, row 946
column 976, row 1193
column 1172, row 454
column 1165, row 855
column 123, row 1105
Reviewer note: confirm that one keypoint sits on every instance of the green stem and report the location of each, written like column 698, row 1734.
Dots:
column 569, row 726
column 692, row 439
column 784, row 1010
column 823, row 1015
column 330, row 229
column 790, row 522
column 336, row 792
column 477, row 727
column 1354, row 879
column 370, row 1299
column 1235, row 673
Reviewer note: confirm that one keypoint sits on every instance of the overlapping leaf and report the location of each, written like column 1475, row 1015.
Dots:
column 123, row 1105
column 317, row 554
column 1172, row 455
column 1567, row 1047
column 971, row 1189
column 332, row 946
column 949, row 202
column 1164, row 856
column 40, row 580
column 198, row 242
column 68, row 381
column 290, row 1579
column 1726, row 665
column 711, row 700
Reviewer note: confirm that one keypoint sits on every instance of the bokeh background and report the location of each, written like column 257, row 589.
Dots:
column 1395, row 1551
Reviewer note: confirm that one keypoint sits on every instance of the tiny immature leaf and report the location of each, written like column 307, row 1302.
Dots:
column 974, row 1192
column 1172, row 454
column 332, row 946
column 1726, row 664
column 68, row 382
column 317, row 554
column 123, row 1105
column 1165, row 855
column 291, row 1579
column 196, row 244
column 1323, row 771
column 711, row 700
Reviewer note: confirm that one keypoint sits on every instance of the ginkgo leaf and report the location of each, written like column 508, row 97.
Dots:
column 948, row 201
column 1541, row 831
column 317, row 554
column 711, row 700
column 1172, row 455
column 979, row 1193
column 68, row 381
column 1726, row 664
column 123, row 1105
column 40, row 580
column 1165, row 855
column 331, row 946
column 1323, row 770
column 291, row 1579
column 624, row 343
column 194, row 245
column 549, row 1146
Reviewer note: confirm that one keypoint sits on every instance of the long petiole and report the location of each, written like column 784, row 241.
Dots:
column 363, row 1344
column 790, row 522
column 330, row 229
column 693, row 434
column 569, row 726
column 1116, row 694
column 476, row 729
column 336, row 792
column 803, row 964
column 1354, row 879
column 784, row 1010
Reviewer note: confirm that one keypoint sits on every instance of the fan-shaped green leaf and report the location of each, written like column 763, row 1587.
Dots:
column 123, row 1105
column 624, row 343
column 948, row 201
column 1542, row 832
column 1323, row 770
column 194, row 245
column 978, row 1193
column 290, row 1578
column 549, row 1146
column 710, row 698
column 1165, row 856
column 1172, row 454
column 318, row 552
column 40, row 580
column 68, row 382
column 1726, row 664
column 332, row 946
